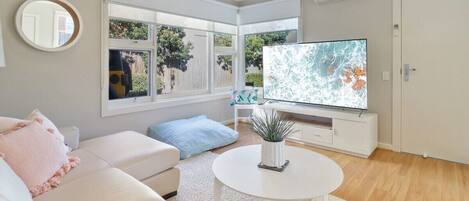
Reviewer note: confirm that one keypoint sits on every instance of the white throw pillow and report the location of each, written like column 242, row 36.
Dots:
column 12, row 187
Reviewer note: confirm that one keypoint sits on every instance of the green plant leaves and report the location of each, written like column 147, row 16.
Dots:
column 272, row 127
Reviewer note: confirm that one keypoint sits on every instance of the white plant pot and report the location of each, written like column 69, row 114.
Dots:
column 273, row 154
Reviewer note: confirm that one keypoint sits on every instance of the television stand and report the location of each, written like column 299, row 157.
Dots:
column 346, row 131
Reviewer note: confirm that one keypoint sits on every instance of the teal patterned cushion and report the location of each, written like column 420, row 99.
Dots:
column 245, row 96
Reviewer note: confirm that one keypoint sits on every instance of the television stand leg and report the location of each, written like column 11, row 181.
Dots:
column 236, row 119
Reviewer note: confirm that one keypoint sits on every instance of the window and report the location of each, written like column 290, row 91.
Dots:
column 64, row 28
column 183, row 61
column 256, row 36
column 160, row 59
column 130, row 59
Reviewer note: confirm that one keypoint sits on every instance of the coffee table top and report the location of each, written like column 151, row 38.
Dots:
column 309, row 174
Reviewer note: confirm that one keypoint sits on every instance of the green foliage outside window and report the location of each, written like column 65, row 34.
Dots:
column 172, row 51
column 255, row 42
column 223, row 40
column 119, row 29
column 255, row 79
column 139, row 85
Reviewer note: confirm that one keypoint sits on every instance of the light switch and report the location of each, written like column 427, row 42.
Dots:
column 386, row 76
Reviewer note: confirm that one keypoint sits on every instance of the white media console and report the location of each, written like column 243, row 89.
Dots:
column 340, row 130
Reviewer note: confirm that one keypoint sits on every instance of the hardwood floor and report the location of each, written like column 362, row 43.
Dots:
column 387, row 175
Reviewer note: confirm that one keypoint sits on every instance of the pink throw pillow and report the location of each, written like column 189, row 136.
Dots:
column 36, row 156
column 47, row 123
column 7, row 123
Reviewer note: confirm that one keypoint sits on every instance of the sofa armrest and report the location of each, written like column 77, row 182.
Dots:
column 72, row 136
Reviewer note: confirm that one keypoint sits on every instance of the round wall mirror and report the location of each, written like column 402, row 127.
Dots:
column 49, row 25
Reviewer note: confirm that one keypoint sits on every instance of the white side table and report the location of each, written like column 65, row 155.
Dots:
column 308, row 176
column 242, row 107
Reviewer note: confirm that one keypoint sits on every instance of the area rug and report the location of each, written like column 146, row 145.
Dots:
column 197, row 182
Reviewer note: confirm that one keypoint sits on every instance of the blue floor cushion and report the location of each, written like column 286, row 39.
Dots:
column 194, row 135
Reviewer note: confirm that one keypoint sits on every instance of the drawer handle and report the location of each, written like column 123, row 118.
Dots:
column 317, row 135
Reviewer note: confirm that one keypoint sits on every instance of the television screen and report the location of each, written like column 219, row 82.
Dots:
column 323, row 73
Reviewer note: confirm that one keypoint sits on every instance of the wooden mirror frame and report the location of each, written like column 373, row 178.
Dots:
column 78, row 25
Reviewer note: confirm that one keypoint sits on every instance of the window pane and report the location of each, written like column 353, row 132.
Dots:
column 223, row 40
column 182, row 57
column 223, row 74
column 128, row 73
column 119, row 29
column 253, row 52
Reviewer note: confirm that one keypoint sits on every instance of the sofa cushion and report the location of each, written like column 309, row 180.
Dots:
column 107, row 185
column 133, row 153
column 11, row 186
column 89, row 164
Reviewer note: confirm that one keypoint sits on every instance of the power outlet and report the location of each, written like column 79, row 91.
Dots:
column 386, row 76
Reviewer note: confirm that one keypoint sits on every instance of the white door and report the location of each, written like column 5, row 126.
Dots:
column 435, row 113
column 30, row 27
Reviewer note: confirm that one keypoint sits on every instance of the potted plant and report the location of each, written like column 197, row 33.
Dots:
column 273, row 129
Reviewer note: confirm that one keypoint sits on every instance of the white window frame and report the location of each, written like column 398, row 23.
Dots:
column 226, row 51
column 152, row 102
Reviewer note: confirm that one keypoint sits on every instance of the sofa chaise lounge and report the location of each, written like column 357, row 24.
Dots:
column 126, row 166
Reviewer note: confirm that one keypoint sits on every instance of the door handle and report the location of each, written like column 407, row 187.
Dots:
column 407, row 70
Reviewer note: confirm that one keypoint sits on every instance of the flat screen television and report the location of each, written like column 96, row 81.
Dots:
column 330, row 73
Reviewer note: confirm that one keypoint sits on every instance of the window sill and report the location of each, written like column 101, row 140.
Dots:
column 119, row 109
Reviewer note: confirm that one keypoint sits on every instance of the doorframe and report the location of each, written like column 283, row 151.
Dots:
column 397, row 78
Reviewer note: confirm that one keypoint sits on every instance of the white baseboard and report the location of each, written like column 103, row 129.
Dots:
column 385, row 146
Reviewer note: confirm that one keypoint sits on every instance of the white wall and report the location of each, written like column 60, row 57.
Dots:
column 350, row 19
column 2, row 55
column 66, row 85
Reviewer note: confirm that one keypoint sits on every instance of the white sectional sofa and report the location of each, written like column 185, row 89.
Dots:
column 126, row 166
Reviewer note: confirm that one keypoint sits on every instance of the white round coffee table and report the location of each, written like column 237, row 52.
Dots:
column 308, row 176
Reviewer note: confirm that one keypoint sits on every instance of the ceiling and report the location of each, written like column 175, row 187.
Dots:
column 242, row 2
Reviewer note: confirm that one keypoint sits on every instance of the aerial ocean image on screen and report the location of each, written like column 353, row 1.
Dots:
column 329, row 73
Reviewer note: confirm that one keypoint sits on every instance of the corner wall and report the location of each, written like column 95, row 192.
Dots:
column 66, row 85
column 349, row 19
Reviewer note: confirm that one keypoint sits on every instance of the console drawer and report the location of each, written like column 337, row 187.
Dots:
column 317, row 134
